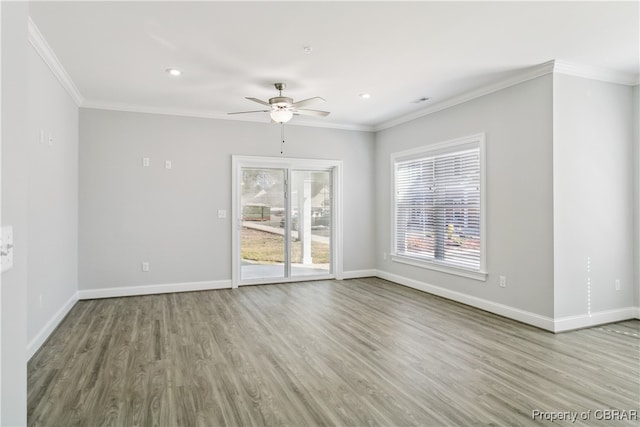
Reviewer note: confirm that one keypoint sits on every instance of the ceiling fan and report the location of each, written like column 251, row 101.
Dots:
column 282, row 109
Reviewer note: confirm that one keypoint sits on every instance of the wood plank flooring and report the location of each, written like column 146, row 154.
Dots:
column 352, row 353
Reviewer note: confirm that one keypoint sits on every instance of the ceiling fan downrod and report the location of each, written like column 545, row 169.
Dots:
column 282, row 138
column 280, row 87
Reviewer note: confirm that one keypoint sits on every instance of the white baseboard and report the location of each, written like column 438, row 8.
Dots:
column 164, row 288
column 357, row 274
column 523, row 316
column 52, row 324
column 557, row 325
column 580, row 321
column 561, row 324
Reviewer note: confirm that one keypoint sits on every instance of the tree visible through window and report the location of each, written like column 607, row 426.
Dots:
column 437, row 209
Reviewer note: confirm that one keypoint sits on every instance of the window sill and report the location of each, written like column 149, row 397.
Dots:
column 470, row 274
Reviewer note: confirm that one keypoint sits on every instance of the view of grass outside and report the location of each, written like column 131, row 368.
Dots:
column 265, row 221
column 268, row 248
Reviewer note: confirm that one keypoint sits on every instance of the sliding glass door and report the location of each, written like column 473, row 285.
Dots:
column 284, row 215
column 310, row 235
column 262, row 239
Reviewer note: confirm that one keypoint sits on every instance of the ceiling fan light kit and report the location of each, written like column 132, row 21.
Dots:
column 281, row 115
column 282, row 108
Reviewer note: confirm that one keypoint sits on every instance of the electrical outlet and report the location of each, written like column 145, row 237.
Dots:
column 222, row 213
column 617, row 284
column 145, row 266
column 384, row 255
column 167, row 164
column 503, row 281
column 146, row 161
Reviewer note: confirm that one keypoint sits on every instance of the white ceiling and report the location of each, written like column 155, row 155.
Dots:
column 116, row 53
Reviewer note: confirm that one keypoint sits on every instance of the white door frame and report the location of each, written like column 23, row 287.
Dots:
column 289, row 164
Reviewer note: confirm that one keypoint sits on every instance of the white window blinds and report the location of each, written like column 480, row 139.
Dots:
column 437, row 212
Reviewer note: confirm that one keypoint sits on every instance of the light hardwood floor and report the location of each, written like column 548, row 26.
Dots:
column 353, row 353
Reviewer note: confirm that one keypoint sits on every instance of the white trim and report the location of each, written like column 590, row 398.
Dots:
column 337, row 227
column 523, row 316
column 595, row 73
column 115, row 106
column 292, row 279
column 559, row 325
column 549, row 67
column 1, row 98
column 287, row 163
column 358, row 274
column 236, row 221
column 44, row 50
column 49, row 57
column 581, row 321
column 555, row 325
column 165, row 288
column 41, row 46
column 442, row 147
column 37, row 341
column 523, row 76
column 449, row 269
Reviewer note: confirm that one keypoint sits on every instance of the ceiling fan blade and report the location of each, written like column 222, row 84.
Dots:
column 245, row 112
column 258, row 101
column 307, row 101
column 311, row 113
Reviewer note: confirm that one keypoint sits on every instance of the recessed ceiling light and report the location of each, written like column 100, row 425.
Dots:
column 173, row 71
column 308, row 49
column 365, row 95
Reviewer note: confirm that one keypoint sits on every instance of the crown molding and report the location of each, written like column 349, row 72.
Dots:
column 41, row 46
column 554, row 66
column 527, row 74
column 596, row 73
column 46, row 53
column 549, row 67
column 131, row 108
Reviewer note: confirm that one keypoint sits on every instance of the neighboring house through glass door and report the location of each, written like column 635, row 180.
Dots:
column 285, row 216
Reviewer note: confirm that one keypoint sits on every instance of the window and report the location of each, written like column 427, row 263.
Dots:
column 438, row 219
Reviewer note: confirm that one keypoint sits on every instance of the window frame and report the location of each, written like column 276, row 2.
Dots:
column 432, row 150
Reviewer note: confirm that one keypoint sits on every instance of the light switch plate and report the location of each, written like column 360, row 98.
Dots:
column 6, row 248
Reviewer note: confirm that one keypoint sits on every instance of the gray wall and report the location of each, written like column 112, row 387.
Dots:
column 130, row 214
column 13, row 292
column 517, row 122
column 593, row 195
column 52, row 194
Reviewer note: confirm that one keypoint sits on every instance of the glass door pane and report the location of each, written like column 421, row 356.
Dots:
column 262, row 241
column 310, row 223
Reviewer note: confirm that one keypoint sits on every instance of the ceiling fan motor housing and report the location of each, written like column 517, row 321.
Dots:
column 281, row 101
